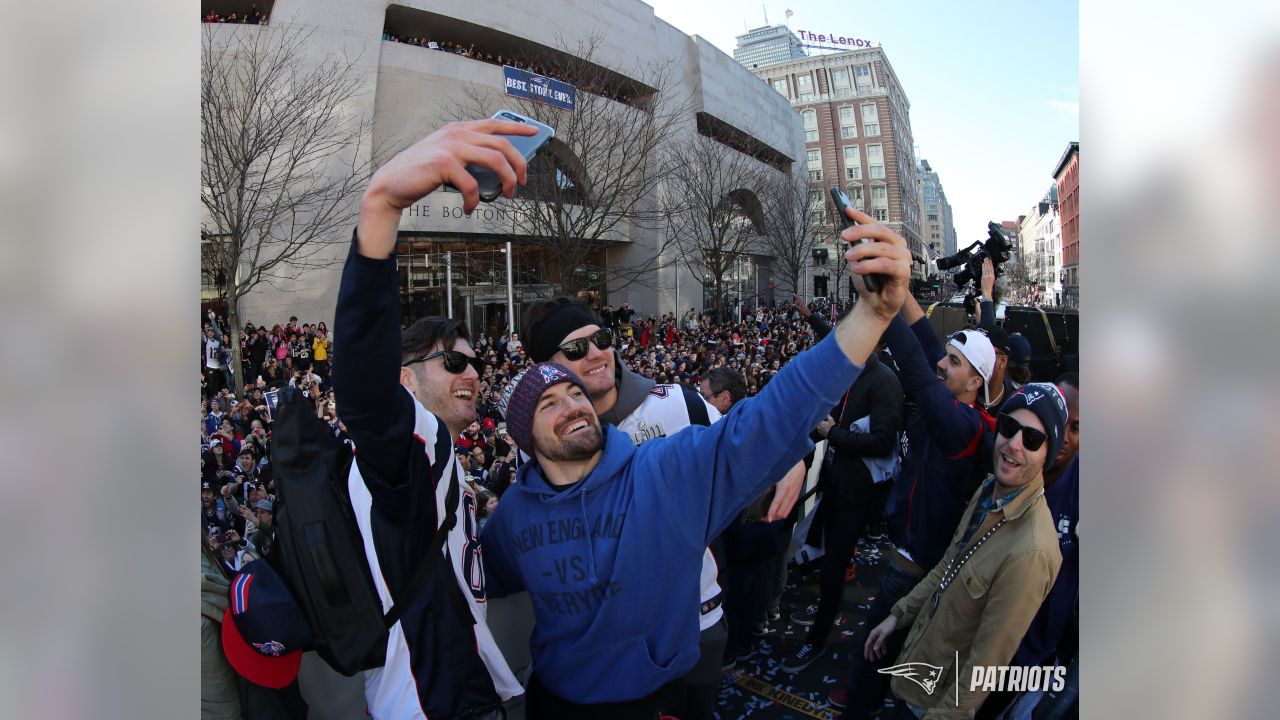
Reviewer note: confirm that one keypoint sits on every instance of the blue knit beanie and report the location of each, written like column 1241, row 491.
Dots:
column 522, row 394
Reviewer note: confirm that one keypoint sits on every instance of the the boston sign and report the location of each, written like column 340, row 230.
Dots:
column 540, row 88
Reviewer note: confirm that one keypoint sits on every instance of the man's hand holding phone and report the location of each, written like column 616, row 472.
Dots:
column 888, row 257
column 439, row 158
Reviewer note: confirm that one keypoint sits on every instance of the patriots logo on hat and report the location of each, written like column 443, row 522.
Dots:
column 270, row 647
column 551, row 373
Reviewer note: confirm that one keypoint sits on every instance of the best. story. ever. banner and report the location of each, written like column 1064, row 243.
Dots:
column 524, row 84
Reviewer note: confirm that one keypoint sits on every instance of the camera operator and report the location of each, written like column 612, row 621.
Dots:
column 1000, row 386
column 943, row 465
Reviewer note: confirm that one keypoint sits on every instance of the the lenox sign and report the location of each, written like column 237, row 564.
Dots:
column 833, row 38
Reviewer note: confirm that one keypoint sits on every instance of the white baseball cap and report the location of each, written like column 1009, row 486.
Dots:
column 976, row 347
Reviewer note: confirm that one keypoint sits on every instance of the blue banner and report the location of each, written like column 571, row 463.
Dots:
column 524, row 84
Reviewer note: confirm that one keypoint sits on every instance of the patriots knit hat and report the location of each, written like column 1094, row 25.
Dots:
column 522, row 394
column 1047, row 402
column 263, row 630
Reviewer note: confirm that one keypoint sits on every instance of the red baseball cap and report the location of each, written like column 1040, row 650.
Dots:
column 263, row 630
column 489, row 423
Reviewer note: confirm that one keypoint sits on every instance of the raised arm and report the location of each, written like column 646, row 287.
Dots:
column 377, row 412
column 760, row 440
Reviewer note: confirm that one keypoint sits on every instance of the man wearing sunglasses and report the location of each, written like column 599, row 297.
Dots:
column 404, row 398
column 607, row 537
column 564, row 330
column 944, row 461
column 1003, row 559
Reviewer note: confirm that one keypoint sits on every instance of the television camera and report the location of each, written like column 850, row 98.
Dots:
column 969, row 260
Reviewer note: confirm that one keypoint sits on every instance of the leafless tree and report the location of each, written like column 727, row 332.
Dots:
column 595, row 180
column 280, row 166
column 711, row 197
column 793, row 211
column 1019, row 279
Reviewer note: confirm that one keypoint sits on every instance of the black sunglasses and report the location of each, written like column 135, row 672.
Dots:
column 1032, row 439
column 454, row 361
column 578, row 349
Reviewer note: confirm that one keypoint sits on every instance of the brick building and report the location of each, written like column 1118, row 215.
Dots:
column 1067, row 176
column 857, row 129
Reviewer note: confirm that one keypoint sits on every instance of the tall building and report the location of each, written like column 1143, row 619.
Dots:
column 936, row 228
column 767, row 45
column 1067, row 177
column 1041, row 237
column 857, row 128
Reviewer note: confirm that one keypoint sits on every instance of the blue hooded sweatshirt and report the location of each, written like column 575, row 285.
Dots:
column 612, row 563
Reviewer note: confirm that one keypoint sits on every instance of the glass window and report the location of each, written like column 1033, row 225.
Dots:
column 805, row 84
column 781, row 86
column 880, row 214
column 849, row 132
column 810, row 119
column 879, row 195
column 862, row 71
column 869, row 113
column 840, row 78
column 875, row 153
column 810, row 136
column 814, row 158
column 846, row 116
column 852, row 162
column 855, row 195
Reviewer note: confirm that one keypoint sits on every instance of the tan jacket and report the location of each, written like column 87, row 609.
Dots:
column 986, row 610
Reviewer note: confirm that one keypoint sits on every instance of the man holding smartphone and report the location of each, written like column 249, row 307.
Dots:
column 404, row 398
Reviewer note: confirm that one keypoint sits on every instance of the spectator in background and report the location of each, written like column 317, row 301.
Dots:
column 1019, row 359
column 320, row 348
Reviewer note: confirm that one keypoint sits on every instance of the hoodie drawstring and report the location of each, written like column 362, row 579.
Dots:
column 586, row 528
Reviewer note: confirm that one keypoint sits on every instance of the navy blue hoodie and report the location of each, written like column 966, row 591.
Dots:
column 948, row 449
column 612, row 564
column 1057, row 613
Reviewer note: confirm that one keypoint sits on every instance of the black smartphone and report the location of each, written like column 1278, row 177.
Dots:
column 526, row 145
column 873, row 281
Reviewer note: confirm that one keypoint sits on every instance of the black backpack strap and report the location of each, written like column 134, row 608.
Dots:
column 697, row 406
column 432, row 555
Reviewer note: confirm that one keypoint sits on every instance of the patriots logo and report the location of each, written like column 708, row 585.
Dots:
column 922, row 674
column 551, row 374
column 270, row 647
column 659, row 391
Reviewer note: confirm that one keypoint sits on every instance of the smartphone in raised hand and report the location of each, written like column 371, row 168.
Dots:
column 873, row 282
column 526, row 145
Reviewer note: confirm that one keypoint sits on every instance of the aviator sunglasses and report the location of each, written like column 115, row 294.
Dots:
column 1032, row 439
column 578, row 349
column 454, row 361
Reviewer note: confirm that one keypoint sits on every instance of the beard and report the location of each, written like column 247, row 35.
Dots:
column 574, row 448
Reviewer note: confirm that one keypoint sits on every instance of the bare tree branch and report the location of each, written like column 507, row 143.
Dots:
column 793, row 212
column 280, row 163
column 711, row 197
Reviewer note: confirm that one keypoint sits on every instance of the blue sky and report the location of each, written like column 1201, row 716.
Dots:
column 993, row 86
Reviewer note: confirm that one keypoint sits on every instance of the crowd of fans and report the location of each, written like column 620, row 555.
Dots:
column 253, row 17
column 471, row 51
column 739, row 356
